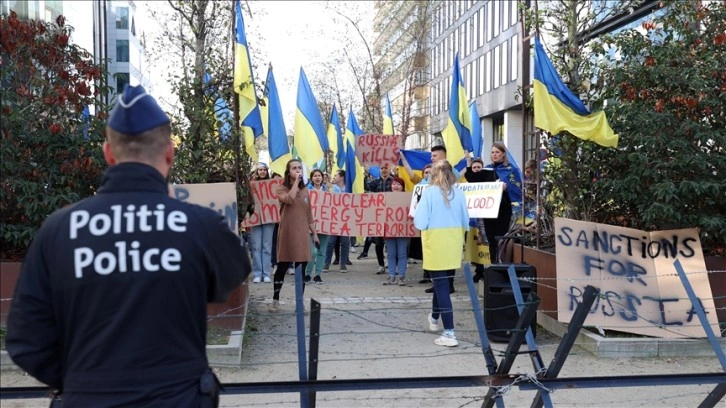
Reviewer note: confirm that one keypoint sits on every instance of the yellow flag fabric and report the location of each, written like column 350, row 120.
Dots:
column 557, row 109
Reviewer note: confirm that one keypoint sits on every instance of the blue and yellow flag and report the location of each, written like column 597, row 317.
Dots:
column 457, row 133
column 335, row 140
column 476, row 136
column 244, row 85
column 556, row 108
column 222, row 112
column 415, row 160
column 275, row 127
column 310, row 138
column 388, row 119
column 354, row 172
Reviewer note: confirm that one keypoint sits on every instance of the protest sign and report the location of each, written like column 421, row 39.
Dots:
column 640, row 291
column 220, row 197
column 368, row 214
column 374, row 150
column 482, row 199
column 267, row 207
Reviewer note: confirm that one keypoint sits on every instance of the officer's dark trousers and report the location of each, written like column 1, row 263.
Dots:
column 280, row 273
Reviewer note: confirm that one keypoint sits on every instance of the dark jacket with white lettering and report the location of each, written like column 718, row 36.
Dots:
column 111, row 305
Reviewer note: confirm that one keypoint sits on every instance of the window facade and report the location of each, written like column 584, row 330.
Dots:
column 122, row 18
column 122, row 50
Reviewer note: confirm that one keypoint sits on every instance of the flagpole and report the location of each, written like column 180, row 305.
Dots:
column 526, row 133
column 235, row 103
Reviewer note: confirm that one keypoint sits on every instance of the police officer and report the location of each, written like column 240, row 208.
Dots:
column 111, row 304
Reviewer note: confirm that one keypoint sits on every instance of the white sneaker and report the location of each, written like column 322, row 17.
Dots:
column 433, row 324
column 274, row 306
column 446, row 341
column 257, row 280
column 267, row 279
column 352, row 250
column 291, row 271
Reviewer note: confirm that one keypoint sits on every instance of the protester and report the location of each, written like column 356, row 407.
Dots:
column 378, row 185
column 111, row 306
column 499, row 226
column 296, row 227
column 438, row 154
column 315, row 266
column 397, row 248
column 442, row 217
column 260, row 237
column 477, row 165
column 414, row 245
column 341, row 242
column 273, row 251
column 509, row 174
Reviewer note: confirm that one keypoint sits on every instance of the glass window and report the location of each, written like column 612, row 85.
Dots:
column 505, row 62
column 514, row 17
column 495, row 76
column 488, row 72
column 498, row 129
column 490, row 22
column 122, row 79
column 505, row 15
column 122, row 18
column 515, row 56
column 497, row 26
column 479, row 75
column 122, row 50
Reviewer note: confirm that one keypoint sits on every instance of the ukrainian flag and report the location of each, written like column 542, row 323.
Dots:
column 244, row 85
column 457, row 134
column 354, row 172
column 557, row 109
column 222, row 113
column 275, row 127
column 310, row 138
column 415, row 160
column 335, row 140
column 388, row 119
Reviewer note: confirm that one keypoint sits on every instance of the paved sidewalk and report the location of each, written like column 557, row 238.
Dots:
column 370, row 330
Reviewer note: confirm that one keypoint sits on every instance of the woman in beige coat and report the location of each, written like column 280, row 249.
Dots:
column 296, row 226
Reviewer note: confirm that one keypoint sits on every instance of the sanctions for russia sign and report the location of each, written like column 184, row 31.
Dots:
column 640, row 291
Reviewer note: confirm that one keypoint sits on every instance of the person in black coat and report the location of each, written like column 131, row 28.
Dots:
column 111, row 305
column 494, row 226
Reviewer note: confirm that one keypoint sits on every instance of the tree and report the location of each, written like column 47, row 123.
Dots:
column 668, row 83
column 199, row 47
column 570, row 178
column 51, row 151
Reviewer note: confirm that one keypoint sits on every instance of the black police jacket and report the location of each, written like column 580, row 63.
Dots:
column 111, row 304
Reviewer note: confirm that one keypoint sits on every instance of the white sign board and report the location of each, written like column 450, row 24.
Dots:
column 482, row 199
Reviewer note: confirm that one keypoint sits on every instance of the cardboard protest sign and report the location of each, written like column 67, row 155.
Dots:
column 482, row 199
column 369, row 214
column 267, row 206
column 220, row 197
column 473, row 252
column 640, row 291
column 374, row 150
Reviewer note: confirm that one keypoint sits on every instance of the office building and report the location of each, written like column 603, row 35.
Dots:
column 401, row 52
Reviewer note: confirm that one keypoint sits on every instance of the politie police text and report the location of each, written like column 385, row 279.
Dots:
column 126, row 256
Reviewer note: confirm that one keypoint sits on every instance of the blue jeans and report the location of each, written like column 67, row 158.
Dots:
column 397, row 249
column 316, row 264
column 344, row 250
column 441, row 304
column 261, row 249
